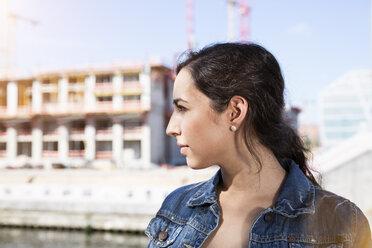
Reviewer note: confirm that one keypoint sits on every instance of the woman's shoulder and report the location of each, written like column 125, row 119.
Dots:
column 326, row 200
column 339, row 213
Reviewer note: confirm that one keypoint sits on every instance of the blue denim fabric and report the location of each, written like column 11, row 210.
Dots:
column 303, row 216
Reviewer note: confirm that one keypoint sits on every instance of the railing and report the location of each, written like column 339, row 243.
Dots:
column 75, row 107
column 103, row 154
column 104, row 86
column 132, row 130
column 104, row 130
column 2, row 153
column 50, row 132
column 24, row 132
column 3, row 110
column 50, row 153
column 132, row 105
column 78, row 107
column 77, row 131
column 45, row 88
column 50, row 108
column 76, row 86
column 132, row 86
column 24, row 109
column 76, row 153
column 104, row 106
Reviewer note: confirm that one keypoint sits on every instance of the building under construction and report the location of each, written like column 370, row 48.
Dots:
column 90, row 116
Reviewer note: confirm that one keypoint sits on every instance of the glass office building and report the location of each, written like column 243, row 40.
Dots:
column 345, row 107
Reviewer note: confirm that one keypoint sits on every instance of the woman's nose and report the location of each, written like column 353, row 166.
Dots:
column 172, row 128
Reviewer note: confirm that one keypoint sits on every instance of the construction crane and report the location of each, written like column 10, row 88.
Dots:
column 8, row 37
column 190, row 24
column 231, row 20
column 244, row 12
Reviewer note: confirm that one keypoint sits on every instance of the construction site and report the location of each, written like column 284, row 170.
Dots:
column 111, row 115
column 80, row 116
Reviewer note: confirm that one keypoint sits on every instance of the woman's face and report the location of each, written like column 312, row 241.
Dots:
column 200, row 132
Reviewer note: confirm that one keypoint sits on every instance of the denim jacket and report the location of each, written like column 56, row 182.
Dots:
column 303, row 216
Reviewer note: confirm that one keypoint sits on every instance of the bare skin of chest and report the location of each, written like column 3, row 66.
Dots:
column 236, row 220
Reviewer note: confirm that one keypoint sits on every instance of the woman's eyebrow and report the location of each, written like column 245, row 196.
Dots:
column 175, row 101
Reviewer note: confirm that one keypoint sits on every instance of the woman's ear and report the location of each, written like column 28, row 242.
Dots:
column 237, row 110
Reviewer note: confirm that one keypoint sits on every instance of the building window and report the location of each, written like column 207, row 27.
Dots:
column 103, row 125
column 340, row 111
column 24, row 128
column 343, row 122
column 103, row 79
column 76, row 97
column 3, row 94
column 50, row 149
column 24, row 93
column 132, row 149
column 76, row 80
column 132, row 97
column 131, row 78
column 77, row 126
column 50, row 127
column 2, row 149
column 76, row 145
column 103, row 149
column 2, row 129
column 76, row 149
column 104, row 98
column 24, row 148
column 50, row 146
column 132, row 123
column 339, row 135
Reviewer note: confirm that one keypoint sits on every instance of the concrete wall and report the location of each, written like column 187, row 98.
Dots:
column 353, row 180
column 74, row 206
column 122, row 199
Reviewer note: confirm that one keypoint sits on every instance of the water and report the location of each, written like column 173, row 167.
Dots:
column 31, row 238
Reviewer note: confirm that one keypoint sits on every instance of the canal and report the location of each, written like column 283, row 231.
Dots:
column 32, row 238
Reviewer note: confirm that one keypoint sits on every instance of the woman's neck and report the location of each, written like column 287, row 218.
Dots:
column 244, row 176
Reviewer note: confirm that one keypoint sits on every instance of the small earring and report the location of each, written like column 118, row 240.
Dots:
column 233, row 128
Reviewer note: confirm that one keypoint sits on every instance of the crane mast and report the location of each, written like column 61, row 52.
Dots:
column 8, row 37
column 190, row 24
column 243, row 8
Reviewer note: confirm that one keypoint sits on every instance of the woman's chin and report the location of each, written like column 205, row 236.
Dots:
column 196, row 165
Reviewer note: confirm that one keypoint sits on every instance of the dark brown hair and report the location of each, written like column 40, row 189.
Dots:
column 223, row 70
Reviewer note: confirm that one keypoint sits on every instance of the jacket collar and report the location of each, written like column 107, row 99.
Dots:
column 207, row 194
column 297, row 196
column 298, row 193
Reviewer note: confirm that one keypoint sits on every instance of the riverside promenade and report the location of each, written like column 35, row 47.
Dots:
column 109, row 200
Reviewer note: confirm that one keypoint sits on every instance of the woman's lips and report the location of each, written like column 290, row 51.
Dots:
column 183, row 149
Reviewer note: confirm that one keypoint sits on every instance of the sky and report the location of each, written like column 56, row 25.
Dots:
column 315, row 42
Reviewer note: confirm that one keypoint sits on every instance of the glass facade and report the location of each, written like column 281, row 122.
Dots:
column 345, row 107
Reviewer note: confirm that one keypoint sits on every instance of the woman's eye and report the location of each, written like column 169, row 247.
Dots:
column 180, row 108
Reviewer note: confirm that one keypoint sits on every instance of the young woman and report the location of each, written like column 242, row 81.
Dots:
column 229, row 103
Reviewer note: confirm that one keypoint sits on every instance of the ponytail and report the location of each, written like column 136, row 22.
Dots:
column 294, row 148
